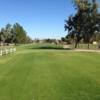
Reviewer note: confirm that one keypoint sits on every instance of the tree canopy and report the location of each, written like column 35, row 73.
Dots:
column 85, row 23
column 14, row 34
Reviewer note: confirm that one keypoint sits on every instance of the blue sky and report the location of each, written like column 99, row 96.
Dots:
column 40, row 18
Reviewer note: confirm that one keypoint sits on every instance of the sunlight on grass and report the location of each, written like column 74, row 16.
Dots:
column 35, row 74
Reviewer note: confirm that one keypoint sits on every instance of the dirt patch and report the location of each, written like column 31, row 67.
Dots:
column 85, row 50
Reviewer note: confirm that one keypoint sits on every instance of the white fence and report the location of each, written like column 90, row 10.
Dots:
column 7, row 51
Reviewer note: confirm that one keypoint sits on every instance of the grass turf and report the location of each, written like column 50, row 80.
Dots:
column 35, row 74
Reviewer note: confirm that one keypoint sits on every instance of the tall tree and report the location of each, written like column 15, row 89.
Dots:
column 7, row 33
column 20, row 33
column 2, row 38
column 14, row 34
column 84, row 23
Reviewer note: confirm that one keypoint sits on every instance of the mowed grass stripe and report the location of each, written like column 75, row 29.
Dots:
column 50, row 75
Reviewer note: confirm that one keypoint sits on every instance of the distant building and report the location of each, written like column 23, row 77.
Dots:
column 95, row 43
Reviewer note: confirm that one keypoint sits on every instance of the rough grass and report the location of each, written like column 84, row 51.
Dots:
column 85, row 46
column 35, row 74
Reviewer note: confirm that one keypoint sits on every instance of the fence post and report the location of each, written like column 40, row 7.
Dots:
column 14, row 49
column 11, row 50
column 6, row 51
column 0, row 52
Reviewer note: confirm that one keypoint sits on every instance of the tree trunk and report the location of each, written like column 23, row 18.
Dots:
column 98, row 45
column 76, row 44
column 88, row 46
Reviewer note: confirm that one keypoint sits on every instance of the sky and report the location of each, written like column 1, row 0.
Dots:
column 40, row 18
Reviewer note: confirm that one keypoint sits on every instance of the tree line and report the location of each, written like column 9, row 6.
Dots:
column 85, row 24
column 14, row 34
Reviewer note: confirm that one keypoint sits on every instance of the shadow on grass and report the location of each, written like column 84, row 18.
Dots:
column 47, row 47
column 50, row 48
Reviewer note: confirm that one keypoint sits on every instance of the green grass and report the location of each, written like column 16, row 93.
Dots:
column 37, row 74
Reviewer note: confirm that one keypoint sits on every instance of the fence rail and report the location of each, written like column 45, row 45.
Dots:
column 7, row 51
